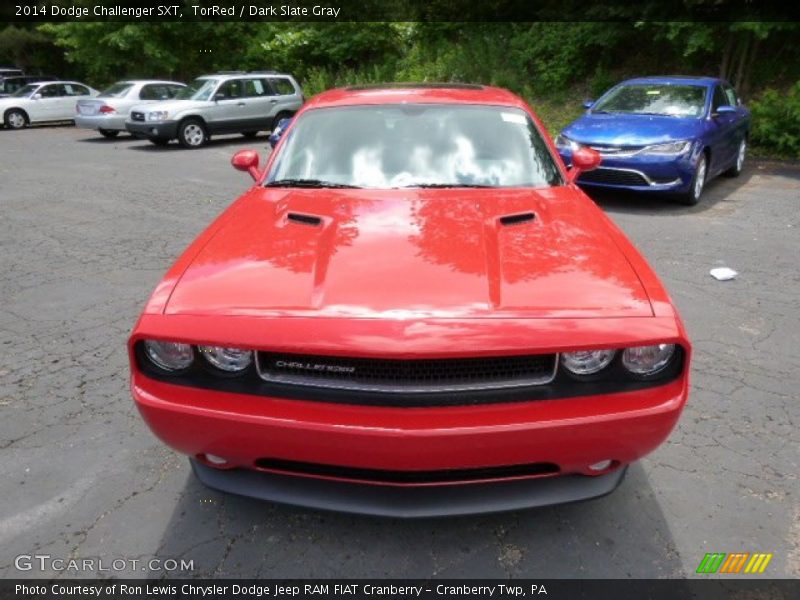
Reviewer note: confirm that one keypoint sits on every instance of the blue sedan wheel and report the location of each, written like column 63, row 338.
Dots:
column 736, row 169
column 692, row 196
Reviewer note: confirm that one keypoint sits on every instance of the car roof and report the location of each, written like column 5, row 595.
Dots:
column 675, row 79
column 424, row 93
column 239, row 74
column 146, row 81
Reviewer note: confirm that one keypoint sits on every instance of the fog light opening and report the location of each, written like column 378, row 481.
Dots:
column 603, row 465
column 214, row 460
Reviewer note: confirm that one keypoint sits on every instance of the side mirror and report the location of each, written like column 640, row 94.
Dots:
column 277, row 131
column 587, row 104
column 723, row 110
column 37, row 96
column 583, row 159
column 219, row 96
column 246, row 160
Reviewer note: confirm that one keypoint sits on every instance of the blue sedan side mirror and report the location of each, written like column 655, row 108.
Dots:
column 587, row 104
column 724, row 110
column 277, row 131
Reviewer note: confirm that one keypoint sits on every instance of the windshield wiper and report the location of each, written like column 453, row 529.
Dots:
column 447, row 185
column 309, row 183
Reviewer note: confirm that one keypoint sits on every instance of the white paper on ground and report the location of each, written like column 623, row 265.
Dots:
column 723, row 273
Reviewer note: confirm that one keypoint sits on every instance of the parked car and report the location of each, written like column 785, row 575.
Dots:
column 413, row 312
column 42, row 102
column 214, row 104
column 9, row 85
column 108, row 112
column 662, row 134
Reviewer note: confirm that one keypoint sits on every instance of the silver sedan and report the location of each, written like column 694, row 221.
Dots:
column 107, row 112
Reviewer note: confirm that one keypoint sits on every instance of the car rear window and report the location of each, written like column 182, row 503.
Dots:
column 118, row 90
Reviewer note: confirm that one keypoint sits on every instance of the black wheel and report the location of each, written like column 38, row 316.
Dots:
column 108, row 133
column 249, row 134
column 736, row 169
column 159, row 141
column 16, row 119
column 692, row 197
column 192, row 133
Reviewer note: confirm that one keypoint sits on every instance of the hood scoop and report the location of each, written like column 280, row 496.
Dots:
column 304, row 219
column 517, row 219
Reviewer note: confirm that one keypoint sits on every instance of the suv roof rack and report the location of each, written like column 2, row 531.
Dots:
column 264, row 72
column 230, row 72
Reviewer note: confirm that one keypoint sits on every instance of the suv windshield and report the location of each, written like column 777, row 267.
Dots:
column 415, row 145
column 199, row 89
column 118, row 90
column 25, row 91
column 654, row 99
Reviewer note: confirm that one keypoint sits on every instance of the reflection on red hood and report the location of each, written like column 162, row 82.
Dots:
column 412, row 253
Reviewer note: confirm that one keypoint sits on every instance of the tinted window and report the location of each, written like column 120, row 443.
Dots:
column 256, row 87
column 50, row 91
column 156, row 91
column 730, row 94
column 282, row 86
column 199, row 89
column 231, row 89
column 73, row 89
column 719, row 99
column 655, row 99
column 410, row 145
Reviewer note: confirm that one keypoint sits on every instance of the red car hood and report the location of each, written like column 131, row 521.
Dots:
column 412, row 253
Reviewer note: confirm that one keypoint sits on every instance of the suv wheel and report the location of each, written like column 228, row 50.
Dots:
column 192, row 134
column 108, row 133
column 16, row 119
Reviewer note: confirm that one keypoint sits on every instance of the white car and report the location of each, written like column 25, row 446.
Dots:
column 107, row 113
column 42, row 102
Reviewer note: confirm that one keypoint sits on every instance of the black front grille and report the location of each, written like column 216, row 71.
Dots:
column 137, row 116
column 407, row 477
column 417, row 375
column 612, row 177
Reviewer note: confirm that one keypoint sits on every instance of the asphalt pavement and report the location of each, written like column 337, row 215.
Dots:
column 87, row 228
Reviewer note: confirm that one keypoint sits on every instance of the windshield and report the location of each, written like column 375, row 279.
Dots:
column 415, row 145
column 199, row 89
column 658, row 99
column 25, row 91
column 118, row 90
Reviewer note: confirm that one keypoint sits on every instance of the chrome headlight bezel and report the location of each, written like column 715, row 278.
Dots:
column 563, row 142
column 172, row 358
column 668, row 148
column 661, row 357
column 587, row 363
column 155, row 116
column 226, row 360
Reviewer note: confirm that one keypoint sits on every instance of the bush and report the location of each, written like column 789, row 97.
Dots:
column 776, row 122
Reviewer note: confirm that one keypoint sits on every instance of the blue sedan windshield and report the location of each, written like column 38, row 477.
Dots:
column 654, row 99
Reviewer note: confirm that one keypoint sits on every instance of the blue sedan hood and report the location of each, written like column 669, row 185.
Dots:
column 631, row 130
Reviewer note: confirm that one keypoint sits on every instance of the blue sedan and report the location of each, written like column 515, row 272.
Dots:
column 662, row 134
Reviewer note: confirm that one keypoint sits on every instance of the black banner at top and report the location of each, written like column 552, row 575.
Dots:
column 398, row 10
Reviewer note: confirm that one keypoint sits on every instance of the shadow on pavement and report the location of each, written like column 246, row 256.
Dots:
column 621, row 535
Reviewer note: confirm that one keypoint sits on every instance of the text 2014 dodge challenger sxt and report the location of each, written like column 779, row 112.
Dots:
column 413, row 312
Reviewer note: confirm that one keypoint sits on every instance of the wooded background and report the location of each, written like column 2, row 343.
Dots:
column 554, row 65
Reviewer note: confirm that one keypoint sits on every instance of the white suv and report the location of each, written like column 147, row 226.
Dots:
column 230, row 102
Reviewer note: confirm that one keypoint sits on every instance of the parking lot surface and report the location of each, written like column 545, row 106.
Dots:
column 87, row 228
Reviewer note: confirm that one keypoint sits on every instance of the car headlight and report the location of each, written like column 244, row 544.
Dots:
column 157, row 115
column 563, row 141
column 169, row 356
column 230, row 360
column 647, row 360
column 668, row 149
column 587, row 362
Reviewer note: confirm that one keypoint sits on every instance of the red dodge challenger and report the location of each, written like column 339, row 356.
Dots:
column 413, row 312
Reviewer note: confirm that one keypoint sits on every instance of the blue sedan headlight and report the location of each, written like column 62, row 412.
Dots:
column 670, row 149
column 563, row 141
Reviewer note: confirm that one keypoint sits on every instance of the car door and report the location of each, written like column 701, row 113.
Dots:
column 228, row 112
column 287, row 98
column 722, row 132
column 742, row 116
column 70, row 94
column 260, row 102
column 44, row 103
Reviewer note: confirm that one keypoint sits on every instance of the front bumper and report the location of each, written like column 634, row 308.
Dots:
column 112, row 123
column 408, row 502
column 640, row 173
column 153, row 130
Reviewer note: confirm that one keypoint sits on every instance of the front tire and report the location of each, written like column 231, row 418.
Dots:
column 108, row 133
column 192, row 134
column 16, row 119
column 737, row 167
column 692, row 196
